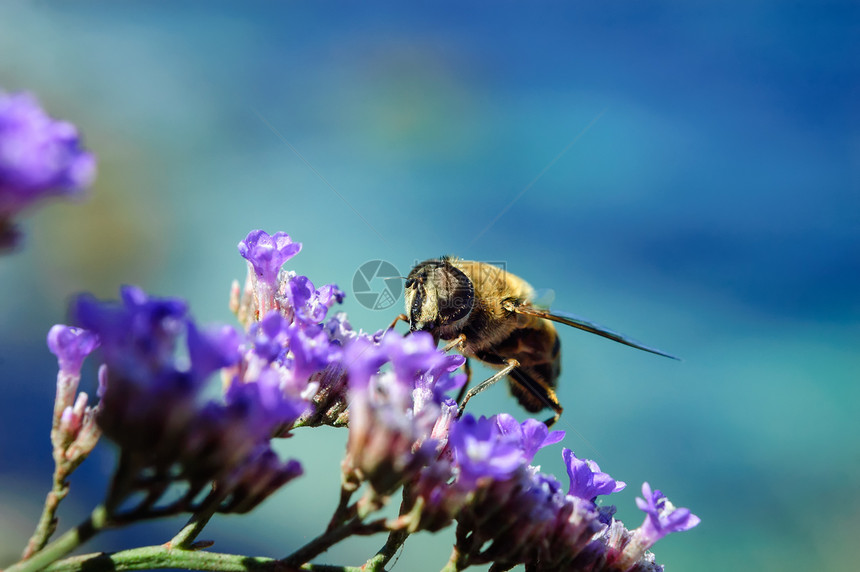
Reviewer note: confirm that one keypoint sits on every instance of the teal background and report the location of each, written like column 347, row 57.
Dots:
column 686, row 174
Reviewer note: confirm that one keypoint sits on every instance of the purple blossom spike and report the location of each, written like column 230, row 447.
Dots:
column 268, row 253
column 440, row 375
column 39, row 157
column 296, row 354
column 586, row 480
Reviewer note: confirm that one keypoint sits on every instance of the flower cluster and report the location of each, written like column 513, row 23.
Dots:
column 39, row 157
column 404, row 430
column 156, row 362
column 294, row 366
column 152, row 406
column 397, row 418
column 286, row 317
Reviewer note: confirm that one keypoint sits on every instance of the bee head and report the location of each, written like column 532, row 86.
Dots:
column 438, row 296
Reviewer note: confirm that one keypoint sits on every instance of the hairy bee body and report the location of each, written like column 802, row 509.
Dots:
column 450, row 297
column 489, row 313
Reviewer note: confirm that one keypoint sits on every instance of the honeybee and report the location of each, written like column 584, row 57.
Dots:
column 489, row 315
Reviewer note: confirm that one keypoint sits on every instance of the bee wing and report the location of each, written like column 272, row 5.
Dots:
column 543, row 298
column 579, row 323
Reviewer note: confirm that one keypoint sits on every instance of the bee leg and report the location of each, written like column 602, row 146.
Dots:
column 558, row 409
column 401, row 317
column 458, row 341
column 512, row 363
column 467, row 367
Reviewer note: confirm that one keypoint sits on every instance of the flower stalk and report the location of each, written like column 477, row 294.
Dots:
column 331, row 537
column 95, row 523
column 161, row 557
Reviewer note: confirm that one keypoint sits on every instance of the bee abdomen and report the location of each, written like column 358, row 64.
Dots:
column 538, row 350
column 534, row 387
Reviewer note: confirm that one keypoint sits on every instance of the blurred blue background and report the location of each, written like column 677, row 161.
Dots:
column 707, row 203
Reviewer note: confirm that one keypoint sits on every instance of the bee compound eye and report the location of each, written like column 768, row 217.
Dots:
column 409, row 283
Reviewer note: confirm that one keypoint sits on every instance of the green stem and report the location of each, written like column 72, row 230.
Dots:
column 193, row 528
column 322, row 543
column 395, row 540
column 97, row 521
column 343, row 511
column 48, row 520
column 156, row 557
column 331, row 537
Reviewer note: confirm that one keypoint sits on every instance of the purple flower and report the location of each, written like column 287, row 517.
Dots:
column 73, row 420
column 387, row 445
column 531, row 434
column 39, row 156
column 417, row 361
column 481, row 450
column 392, row 415
column 268, row 253
column 268, row 288
column 586, row 479
column 628, row 550
column 339, row 329
column 311, row 351
column 439, row 375
column 153, row 406
column 213, row 348
column 259, row 476
column 138, row 329
column 411, row 355
column 524, row 518
column 363, row 358
column 661, row 516
column 146, row 381
column 310, row 305
column 74, row 432
column 270, row 336
column 295, row 353
column 71, row 345
column 263, row 403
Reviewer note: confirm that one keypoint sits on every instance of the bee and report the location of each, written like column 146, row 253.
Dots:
column 490, row 315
